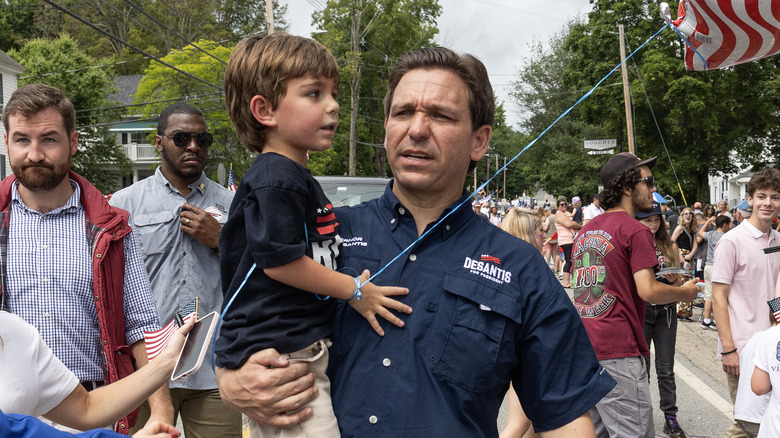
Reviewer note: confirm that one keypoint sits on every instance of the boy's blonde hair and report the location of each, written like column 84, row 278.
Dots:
column 261, row 66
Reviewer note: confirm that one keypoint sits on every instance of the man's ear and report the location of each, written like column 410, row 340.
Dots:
column 481, row 138
column 158, row 139
column 74, row 142
column 262, row 111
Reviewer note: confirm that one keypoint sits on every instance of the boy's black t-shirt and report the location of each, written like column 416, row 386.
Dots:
column 279, row 214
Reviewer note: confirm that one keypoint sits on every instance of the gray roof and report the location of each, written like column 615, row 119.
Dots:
column 9, row 62
column 128, row 85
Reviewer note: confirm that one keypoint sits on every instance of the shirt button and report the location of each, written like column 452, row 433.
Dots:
column 401, row 211
column 45, row 280
column 386, row 362
column 413, row 257
column 392, row 221
column 184, row 253
column 372, row 419
column 447, row 227
column 184, row 282
column 46, row 314
column 45, row 246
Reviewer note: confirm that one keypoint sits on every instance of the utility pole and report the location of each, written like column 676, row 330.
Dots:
column 269, row 16
column 505, row 176
column 626, row 94
column 354, row 82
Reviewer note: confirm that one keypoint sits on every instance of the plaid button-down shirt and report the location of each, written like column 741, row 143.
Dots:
column 50, row 283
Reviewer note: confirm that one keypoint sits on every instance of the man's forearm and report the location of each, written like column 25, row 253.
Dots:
column 581, row 427
column 160, row 404
column 720, row 306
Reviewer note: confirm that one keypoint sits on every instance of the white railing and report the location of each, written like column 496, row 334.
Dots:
column 141, row 152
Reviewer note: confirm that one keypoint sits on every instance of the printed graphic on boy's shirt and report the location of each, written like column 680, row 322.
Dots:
column 590, row 299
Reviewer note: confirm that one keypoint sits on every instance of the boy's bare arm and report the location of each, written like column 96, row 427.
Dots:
column 308, row 275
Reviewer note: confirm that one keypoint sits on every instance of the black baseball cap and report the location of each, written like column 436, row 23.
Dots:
column 655, row 211
column 620, row 163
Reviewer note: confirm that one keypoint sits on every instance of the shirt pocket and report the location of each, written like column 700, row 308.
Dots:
column 154, row 229
column 473, row 343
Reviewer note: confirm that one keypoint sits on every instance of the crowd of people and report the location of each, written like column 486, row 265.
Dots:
column 311, row 344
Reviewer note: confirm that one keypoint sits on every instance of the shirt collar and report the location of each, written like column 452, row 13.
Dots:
column 199, row 185
column 72, row 204
column 388, row 202
column 755, row 232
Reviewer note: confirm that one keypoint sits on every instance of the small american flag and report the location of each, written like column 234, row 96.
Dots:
column 774, row 306
column 157, row 340
column 231, row 182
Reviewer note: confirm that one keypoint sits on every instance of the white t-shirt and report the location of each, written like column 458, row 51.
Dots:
column 591, row 211
column 33, row 381
column 767, row 358
column 749, row 406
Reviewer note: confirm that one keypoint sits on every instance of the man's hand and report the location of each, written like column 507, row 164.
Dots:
column 731, row 363
column 199, row 224
column 156, row 429
column 268, row 389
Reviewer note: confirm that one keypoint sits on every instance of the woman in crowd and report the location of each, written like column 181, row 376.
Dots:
column 550, row 244
column 526, row 225
column 566, row 229
column 661, row 321
column 685, row 234
column 34, row 382
column 493, row 216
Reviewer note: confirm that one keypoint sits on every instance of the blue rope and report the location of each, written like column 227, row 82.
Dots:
column 514, row 158
column 704, row 61
column 222, row 315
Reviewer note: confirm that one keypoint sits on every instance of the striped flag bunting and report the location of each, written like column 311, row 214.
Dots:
column 727, row 33
column 157, row 340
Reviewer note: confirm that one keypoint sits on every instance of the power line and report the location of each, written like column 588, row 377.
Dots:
column 172, row 31
column 79, row 18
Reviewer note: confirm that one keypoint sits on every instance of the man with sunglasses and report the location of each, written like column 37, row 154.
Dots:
column 613, row 276
column 178, row 215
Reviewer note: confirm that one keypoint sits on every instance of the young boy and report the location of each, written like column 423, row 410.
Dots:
column 722, row 224
column 280, row 93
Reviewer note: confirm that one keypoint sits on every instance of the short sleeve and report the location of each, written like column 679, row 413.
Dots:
column 275, row 220
column 642, row 251
column 725, row 261
column 56, row 381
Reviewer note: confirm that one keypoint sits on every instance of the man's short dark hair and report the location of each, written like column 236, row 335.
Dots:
column 721, row 221
column 34, row 98
column 176, row 108
column 469, row 69
column 768, row 178
column 613, row 190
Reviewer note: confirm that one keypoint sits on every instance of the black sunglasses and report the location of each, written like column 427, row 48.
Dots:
column 649, row 180
column 182, row 139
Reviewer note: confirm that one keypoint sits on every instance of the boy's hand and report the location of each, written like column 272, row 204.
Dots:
column 690, row 290
column 375, row 302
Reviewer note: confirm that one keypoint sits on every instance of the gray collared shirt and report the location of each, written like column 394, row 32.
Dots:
column 180, row 268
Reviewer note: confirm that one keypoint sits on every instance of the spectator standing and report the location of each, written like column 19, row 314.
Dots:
column 576, row 209
column 614, row 263
column 684, row 236
column 742, row 213
column 723, row 209
column 566, row 229
column 661, row 323
column 722, row 224
column 743, row 277
column 550, row 248
column 73, row 266
column 178, row 214
column 591, row 211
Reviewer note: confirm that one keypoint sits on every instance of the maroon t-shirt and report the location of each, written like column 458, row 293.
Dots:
column 607, row 252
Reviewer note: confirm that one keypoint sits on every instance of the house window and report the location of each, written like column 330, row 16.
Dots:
column 138, row 137
column 124, row 138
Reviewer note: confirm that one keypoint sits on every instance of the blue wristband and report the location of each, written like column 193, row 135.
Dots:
column 357, row 294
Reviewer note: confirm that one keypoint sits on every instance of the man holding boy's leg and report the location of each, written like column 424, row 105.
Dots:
column 488, row 311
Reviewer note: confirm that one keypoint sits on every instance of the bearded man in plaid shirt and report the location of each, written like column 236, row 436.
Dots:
column 69, row 263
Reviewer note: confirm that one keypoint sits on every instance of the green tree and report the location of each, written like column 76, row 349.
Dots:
column 17, row 23
column 367, row 37
column 704, row 117
column 59, row 63
column 160, row 85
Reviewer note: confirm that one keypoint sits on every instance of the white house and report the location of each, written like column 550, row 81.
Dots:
column 9, row 70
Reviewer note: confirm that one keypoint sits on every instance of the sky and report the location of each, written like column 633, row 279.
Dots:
column 498, row 32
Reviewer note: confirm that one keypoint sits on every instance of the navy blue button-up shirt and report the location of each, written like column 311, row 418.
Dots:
column 487, row 311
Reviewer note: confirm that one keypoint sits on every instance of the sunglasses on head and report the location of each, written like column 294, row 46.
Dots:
column 182, row 139
column 649, row 180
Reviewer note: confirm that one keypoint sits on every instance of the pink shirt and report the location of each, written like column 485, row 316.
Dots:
column 751, row 274
column 565, row 234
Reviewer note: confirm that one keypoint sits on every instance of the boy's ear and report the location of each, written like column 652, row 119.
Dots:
column 262, row 111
